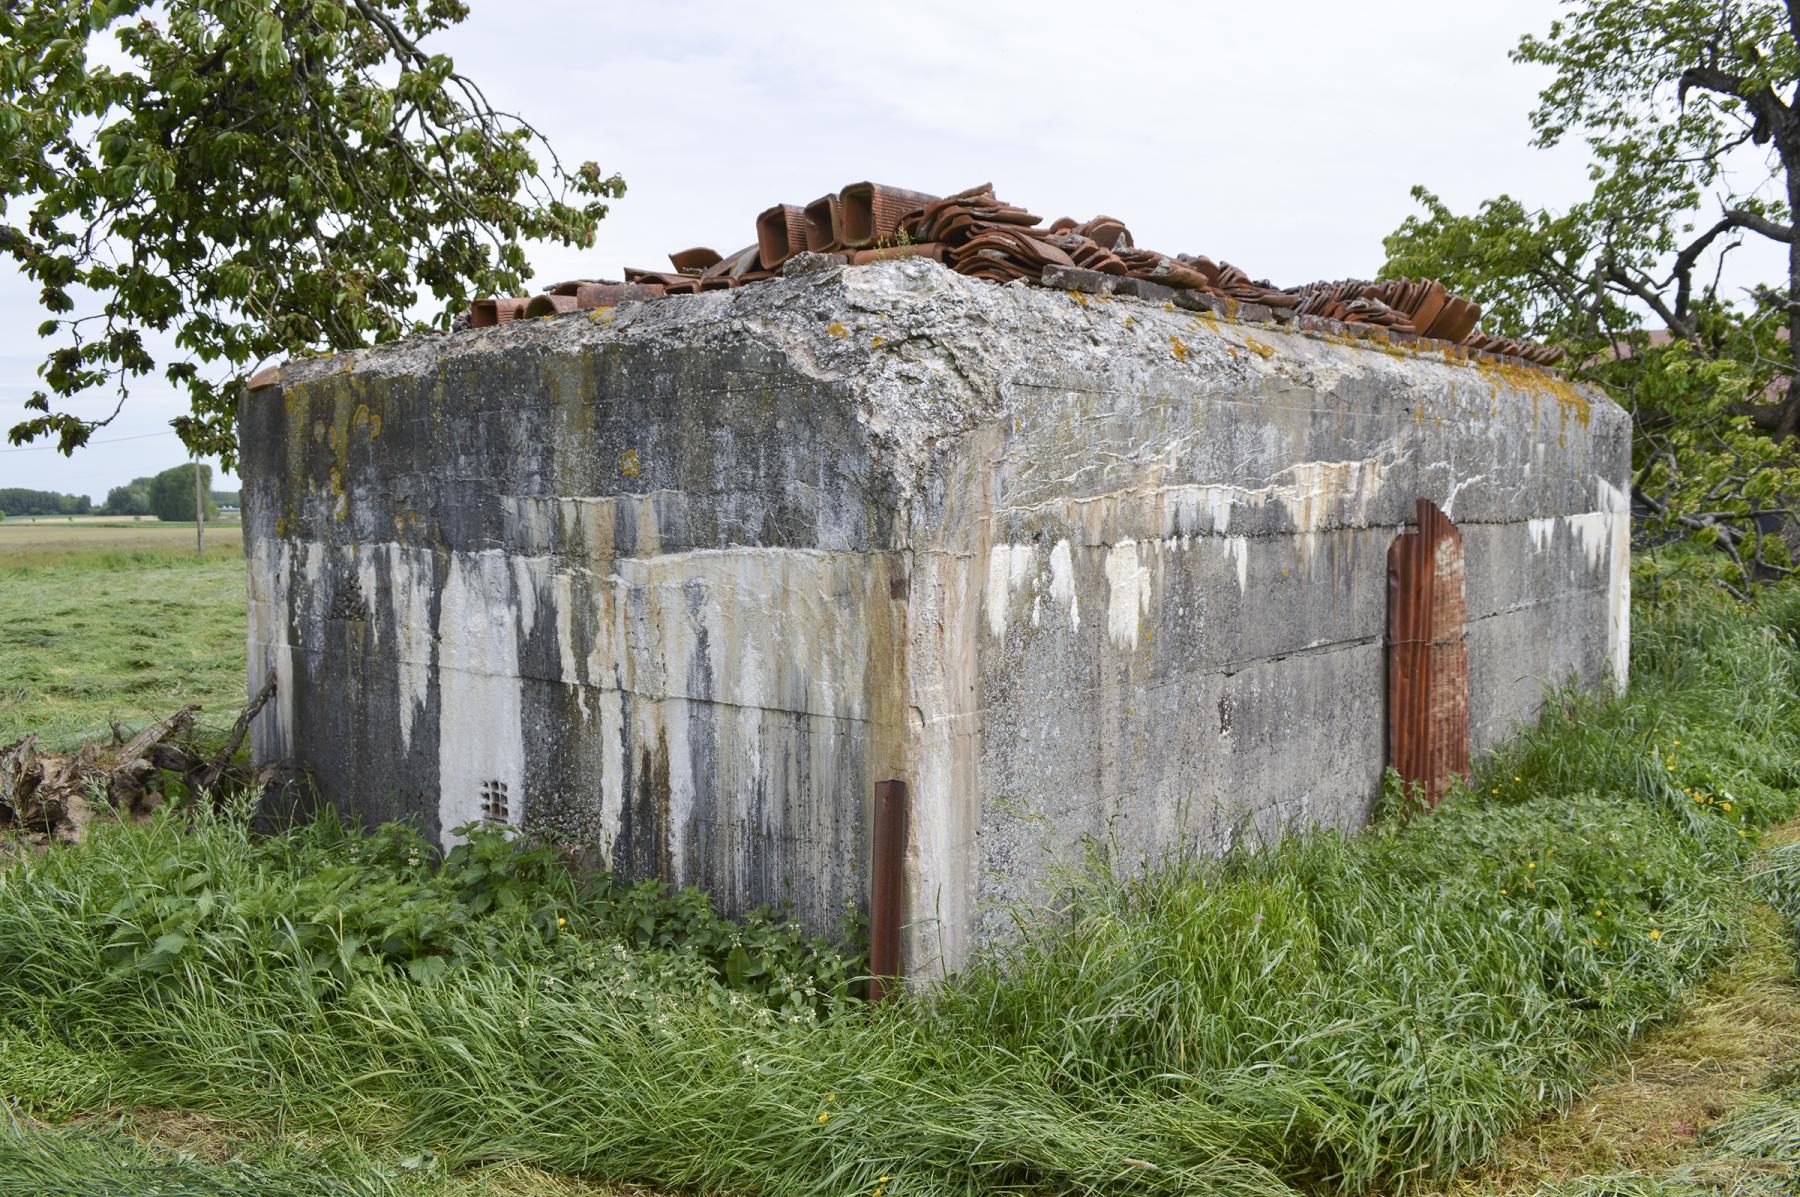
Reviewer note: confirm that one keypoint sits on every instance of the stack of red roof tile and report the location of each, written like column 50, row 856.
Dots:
column 976, row 234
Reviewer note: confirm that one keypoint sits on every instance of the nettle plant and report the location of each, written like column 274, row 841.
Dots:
column 337, row 905
column 251, row 179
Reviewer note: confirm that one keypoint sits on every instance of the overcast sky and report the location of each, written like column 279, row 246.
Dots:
column 1282, row 137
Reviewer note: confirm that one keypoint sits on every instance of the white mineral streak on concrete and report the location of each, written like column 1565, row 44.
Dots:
column 569, row 668
column 943, row 620
column 612, row 766
column 1542, row 532
column 1009, row 565
column 409, row 585
column 1604, row 536
column 481, row 736
column 1127, row 595
column 1236, row 548
column 1062, row 582
column 526, row 570
column 367, row 579
column 1618, row 615
column 1314, row 495
column 1593, row 532
column 1457, row 488
column 790, row 611
column 269, row 596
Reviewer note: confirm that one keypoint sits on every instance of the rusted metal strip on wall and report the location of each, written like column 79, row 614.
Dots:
column 1428, row 655
column 886, row 899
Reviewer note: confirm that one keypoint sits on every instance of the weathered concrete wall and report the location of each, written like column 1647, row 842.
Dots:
column 686, row 578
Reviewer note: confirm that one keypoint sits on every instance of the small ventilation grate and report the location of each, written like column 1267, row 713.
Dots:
column 347, row 601
column 496, row 804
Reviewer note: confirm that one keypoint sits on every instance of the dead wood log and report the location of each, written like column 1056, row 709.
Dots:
column 215, row 769
column 49, row 794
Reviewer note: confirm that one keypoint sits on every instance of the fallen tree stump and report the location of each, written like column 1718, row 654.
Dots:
column 52, row 795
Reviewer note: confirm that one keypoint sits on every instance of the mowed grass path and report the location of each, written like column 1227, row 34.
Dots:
column 104, row 621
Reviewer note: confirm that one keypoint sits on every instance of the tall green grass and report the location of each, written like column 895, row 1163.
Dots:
column 1755, row 1151
column 40, row 1161
column 1335, row 1012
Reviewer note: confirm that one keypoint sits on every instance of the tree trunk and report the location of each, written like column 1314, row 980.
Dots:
column 1787, row 422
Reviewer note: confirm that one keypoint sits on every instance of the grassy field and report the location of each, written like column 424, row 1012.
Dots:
column 331, row 1010
column 49, row 541
column 113, row 620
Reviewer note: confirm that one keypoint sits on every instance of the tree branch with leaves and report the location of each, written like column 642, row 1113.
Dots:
column 1670, row 96
column 257, row 179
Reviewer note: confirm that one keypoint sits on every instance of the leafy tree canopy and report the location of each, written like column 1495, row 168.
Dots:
column 128, row 500
column 1672, row 98
column 171, row 494
column 253, row 178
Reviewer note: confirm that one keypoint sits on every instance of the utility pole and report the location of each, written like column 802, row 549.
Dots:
column 199, row 513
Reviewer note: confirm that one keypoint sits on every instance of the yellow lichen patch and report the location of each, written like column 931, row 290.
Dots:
column 1179, row 349
column 628, row 463
column 876, row 342
column 366, row 421
column 1168, row 307
column 837, row 329
column 1079, row 298
column 603, row 314
column 1129, row 321
column 1540, row 384
column 1258, row 348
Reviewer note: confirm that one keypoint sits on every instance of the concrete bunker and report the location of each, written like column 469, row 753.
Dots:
column 681, row 581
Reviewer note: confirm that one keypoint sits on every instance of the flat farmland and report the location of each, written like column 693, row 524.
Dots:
column 107, row 620
column 26, row 541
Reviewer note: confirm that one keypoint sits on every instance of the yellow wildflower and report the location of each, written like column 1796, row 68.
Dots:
column 561, row 921
column 1724, row 806
column 1655, row 934
column 824, row 1117
column 1531, row 864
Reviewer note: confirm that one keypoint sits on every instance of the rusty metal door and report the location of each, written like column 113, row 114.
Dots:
column 1428, row 655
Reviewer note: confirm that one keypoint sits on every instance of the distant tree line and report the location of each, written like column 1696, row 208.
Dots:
column 16, row 500
column 167, row 496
